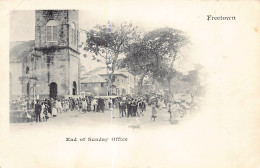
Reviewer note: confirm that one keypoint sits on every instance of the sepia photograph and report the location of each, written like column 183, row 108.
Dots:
column 111, row 68
column 128, row 84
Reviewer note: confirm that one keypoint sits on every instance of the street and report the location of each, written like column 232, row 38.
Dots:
column 197, row 140
column 74, row 120
column 51, row 136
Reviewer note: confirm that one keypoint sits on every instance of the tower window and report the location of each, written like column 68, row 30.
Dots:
column 52, row 30
column 74, row 33
column 27, row 70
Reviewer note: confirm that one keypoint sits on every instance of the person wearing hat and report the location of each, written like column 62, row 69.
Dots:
column 139, row 107
column 129, row 107
column 134, row 108
column 37, row 111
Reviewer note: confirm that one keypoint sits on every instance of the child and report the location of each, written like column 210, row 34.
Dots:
column 54, row 112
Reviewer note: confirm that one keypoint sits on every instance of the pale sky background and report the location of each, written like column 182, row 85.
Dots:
column 214, row 44
column 22, row 24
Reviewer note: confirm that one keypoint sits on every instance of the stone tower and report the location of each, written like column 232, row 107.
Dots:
column 56, row 53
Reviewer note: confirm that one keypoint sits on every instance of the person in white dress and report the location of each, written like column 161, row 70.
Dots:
column 42, row 116
column 84, row 105
column 58, row 106
column 54, row 111
column 94, row 104
column 66, row 105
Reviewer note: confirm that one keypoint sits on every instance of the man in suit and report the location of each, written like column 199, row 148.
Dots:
column 37, row 110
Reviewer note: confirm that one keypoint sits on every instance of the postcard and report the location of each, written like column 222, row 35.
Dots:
column 130, row 84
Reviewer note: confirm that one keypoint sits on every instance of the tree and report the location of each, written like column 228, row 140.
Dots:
column 108, row 41
column 156, row 53
column 137, row 61
column 164, row 44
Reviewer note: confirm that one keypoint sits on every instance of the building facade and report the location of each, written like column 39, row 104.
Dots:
column 96, row 85
column 130, row 87
column 120, row 85
column 52, row 68
column 123, row 81
column 18, row 53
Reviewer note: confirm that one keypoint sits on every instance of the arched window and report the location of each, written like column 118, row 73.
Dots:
column 74, row 88
column 28, row 89
column 73, row 33
column 27, row 70
column 53, row 90
column 52, row 30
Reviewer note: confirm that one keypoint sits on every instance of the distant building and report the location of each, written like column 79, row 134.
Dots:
column 94, row 84
column 19, row 51
column 119, row 84
column 123, row 81
column 130, row 88
column 49, row 65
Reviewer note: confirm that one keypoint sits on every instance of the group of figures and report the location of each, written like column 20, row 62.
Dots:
column 42, row 109
column 124, row 106
column 178, row 109
column 129, row 106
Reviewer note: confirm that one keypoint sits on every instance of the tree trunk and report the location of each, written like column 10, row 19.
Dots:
column 169, row 87
column 140, row 83
column 111, row 73
column 135, row 91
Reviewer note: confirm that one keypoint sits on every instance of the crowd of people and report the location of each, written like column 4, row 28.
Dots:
column 45, row 108
column 125, row 106
column 129, row 106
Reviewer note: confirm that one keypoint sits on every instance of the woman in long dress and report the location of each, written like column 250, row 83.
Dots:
column 84, row 106
column 42, row 116
column 93, row 104
column 154, row 111
column 54, row 111
column 175, row 110
column 66, row 105
column 58, row 106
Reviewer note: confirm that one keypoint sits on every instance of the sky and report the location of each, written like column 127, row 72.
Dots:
column 210, row 40
column 161, row 15
column 22, row 24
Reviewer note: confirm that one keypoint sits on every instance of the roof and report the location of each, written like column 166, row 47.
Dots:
column 97, row 70
column 15, row 43
column 103, row 71
column 20, row 49
column 93, row 79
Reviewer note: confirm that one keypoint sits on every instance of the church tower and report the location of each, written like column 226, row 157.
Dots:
column 57, row 54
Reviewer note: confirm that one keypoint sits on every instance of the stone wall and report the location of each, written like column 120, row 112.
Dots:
column 15, row 79
column 53, row 66
column 65, row 19
column 73, row 18
column 58, row 61
column 41, row 19
column 74, row 70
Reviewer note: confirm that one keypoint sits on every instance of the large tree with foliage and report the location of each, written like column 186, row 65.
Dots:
column 164, row 45
column 156, row 53
column 108, row 41
column 137, row 61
